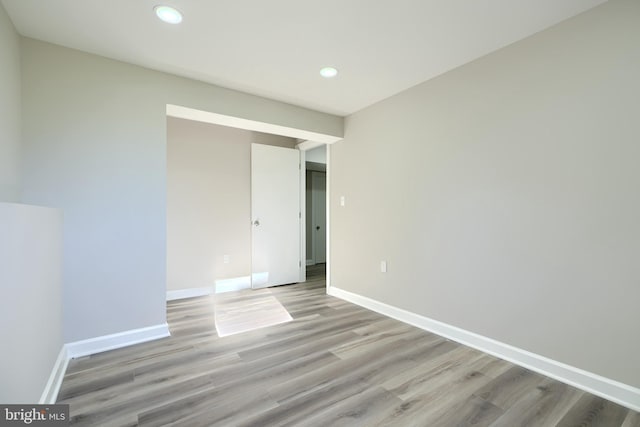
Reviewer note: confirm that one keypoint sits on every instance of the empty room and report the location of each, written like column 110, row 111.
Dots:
column 294, row 213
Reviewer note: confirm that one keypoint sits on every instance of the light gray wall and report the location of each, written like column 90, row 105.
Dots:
column 504, row 195
column 95, row 145
column 31, row 285
column 317, row 155
column 9, row 110
column 209, row 201
column 30, row 252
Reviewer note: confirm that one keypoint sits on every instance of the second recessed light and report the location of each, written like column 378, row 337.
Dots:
column 168, row 14
column 328, row 72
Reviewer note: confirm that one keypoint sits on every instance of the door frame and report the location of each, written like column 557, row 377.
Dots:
column 303, row 214
column 303, row 147
column 328, row 203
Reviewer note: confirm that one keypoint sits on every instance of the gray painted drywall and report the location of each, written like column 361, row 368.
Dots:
column 94, row 138
column 504, row 195
column 31, row 314
column 10, row 124
column 209, row 201
column 317, row 155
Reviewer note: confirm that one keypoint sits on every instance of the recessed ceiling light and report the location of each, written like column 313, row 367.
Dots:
column 168, row 14
column 328, row 72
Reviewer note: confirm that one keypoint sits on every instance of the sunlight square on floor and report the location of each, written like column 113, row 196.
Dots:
column 243, row 311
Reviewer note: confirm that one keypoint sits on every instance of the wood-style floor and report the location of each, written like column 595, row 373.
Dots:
column 335, row 364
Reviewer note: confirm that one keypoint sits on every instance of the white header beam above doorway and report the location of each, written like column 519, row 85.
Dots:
column 236, row 122
column 309, row 145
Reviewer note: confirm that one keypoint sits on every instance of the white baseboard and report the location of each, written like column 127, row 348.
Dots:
column 113, row 341
column 92, row 346
column 51, row 390
column 615, row 391
column 235, row 284
column 189, row 293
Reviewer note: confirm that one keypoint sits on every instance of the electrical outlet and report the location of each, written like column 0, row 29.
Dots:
column 225, row 259
column 383, row 266
column 341, row 200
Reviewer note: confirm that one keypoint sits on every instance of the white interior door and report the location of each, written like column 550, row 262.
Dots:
column 275, row 213
column 319, row 216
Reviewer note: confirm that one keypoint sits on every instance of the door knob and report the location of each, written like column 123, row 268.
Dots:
column 256, row 222
column 317, row 227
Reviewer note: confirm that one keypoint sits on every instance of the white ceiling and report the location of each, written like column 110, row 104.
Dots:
column 275, row 48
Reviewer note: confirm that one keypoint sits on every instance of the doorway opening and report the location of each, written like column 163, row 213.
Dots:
column 210, row 219
column 316, row 213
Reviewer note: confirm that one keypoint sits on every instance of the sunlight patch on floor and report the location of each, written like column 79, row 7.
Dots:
column 244, row 311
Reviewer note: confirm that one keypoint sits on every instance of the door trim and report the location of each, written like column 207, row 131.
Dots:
column 303, row 147
column 303, row 214
column 328, row 219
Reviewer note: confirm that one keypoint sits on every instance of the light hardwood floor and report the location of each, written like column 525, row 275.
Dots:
column 334, row 364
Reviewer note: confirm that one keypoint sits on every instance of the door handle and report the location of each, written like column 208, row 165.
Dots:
column 317, row 227
column 256, row 222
